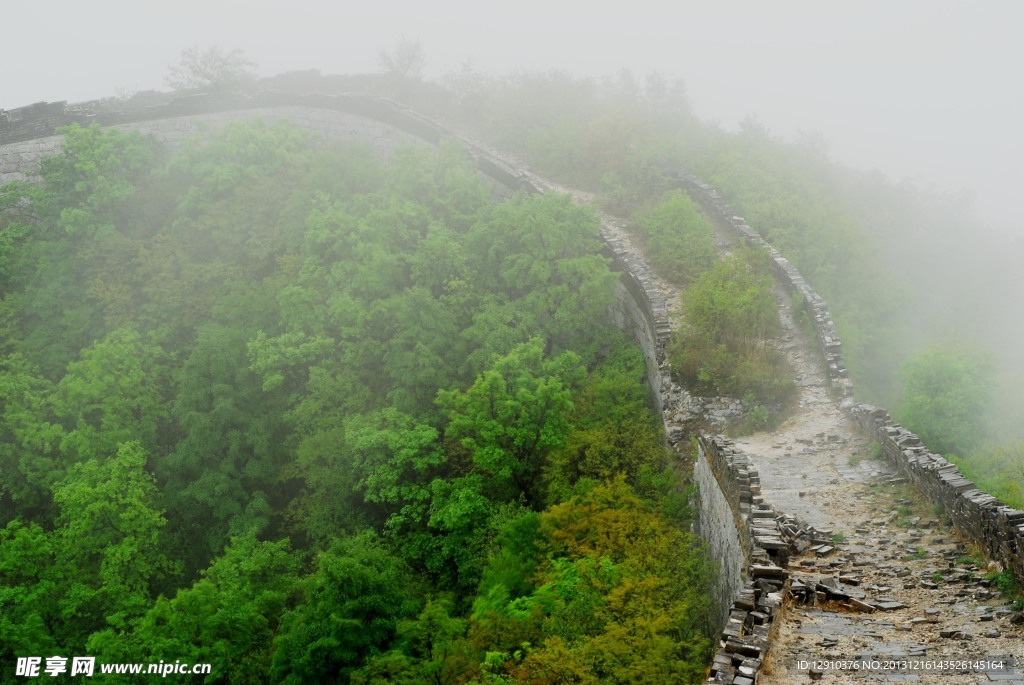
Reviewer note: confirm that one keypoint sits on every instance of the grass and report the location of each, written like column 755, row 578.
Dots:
column 992, row 476
column 919, row 553
column 1005, row 583
column 974, row 558
column 876, row 450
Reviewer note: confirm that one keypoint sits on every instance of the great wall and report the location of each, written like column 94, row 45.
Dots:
column 801, row 560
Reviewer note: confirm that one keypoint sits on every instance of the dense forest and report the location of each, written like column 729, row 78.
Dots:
column 307, row 416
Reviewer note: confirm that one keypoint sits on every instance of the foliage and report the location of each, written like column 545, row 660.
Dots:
column 946, row 397
column 98, row 568
column 726, row 347
column 544, row 253
column 228, row 456
column 272, row 405
column 512, row 416
column 1005, row 582
column 210, row 68
column 30, row 438
column 621, row 598
column 997, row 470
column 349, row 608
column 117, row 392
column 109, row 537
column 678, row 238
column 228, row 618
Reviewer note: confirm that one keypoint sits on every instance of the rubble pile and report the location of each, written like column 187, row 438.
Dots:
column 997, row 528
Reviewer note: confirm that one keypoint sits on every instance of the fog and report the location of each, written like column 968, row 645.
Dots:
column 920, row 90
column 924, row 92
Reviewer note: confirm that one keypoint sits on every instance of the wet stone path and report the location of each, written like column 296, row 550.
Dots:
column 897, row 596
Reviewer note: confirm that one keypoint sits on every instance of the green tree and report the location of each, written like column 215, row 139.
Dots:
column 30, row 437
column 222, row 477
column 630, row 595
column 437, row 654
column 678, row 238
column 543, row 253
column 211, row 68
column 730, row 319
column 29, row 591
column 97, row 171
column 419, row 347
column 630, row 447
column 110, row 558
column 946, row 396
column 733, row 303
column 394, row 457
column 228, row 618
column 117, row 392
column 512, row 416
column 349, row 609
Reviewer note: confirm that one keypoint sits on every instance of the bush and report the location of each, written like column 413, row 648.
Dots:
column 725, row 348
column 946, row 396
column 678, row 239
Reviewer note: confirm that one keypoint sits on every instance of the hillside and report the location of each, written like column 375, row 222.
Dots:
column 254, row 381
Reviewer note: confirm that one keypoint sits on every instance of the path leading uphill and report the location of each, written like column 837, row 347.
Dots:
column 897, row 596
column 898, row 593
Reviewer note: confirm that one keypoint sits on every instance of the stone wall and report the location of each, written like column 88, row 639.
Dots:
column 20, row 161
column 27, row 135
column 763, row 539
column 641, row 310
column 981, row 518
column 715, row 515
column 995, row 527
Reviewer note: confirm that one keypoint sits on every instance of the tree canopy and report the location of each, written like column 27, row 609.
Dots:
column 281, row 407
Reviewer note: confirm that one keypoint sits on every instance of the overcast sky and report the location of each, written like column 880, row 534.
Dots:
column 930, row 90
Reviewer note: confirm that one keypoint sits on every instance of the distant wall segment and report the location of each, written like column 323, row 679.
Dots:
column 27, row 135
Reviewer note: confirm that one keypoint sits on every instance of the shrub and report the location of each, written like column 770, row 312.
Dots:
column 678, row 239
column 726, row 348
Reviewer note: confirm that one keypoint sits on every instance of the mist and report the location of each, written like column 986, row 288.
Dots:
column 289, row 367
column 918, row 90
column 923, row 92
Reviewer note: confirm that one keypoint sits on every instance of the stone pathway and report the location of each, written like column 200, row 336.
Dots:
column 897, row 589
